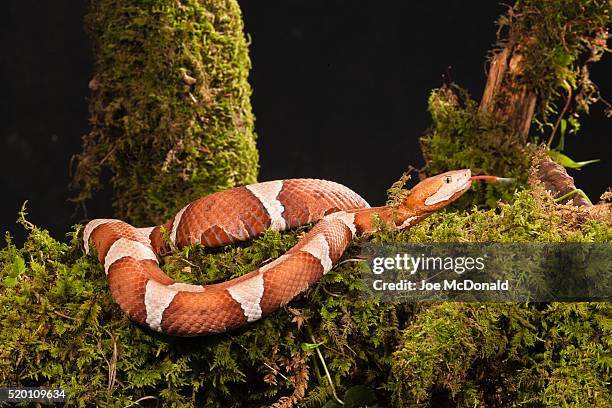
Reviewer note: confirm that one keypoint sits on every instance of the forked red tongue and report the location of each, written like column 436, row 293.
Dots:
column 494, row 178
column 484, row 178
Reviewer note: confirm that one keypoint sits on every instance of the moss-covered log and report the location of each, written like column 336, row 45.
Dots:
column 170, row 109
column 59, row 326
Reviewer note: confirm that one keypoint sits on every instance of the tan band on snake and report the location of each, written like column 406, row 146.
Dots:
column 150, row 297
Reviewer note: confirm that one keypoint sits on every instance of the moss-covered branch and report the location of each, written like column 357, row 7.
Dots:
column 170, row 110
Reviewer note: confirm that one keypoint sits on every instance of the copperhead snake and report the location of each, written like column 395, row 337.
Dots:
column 151, row 298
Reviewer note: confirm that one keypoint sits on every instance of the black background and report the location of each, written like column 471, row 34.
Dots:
column 339, row 92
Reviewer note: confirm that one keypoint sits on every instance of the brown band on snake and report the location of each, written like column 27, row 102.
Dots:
column 150, row 297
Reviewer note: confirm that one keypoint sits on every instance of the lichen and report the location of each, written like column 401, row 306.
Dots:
column 170, row 109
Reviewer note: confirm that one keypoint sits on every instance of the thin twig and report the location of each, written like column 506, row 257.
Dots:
column 112, row 366
column 567, row 103
column 64, row 316
column 148, row 397
column 23, row 213
column 330, row 293
column 349, row 347
column 267, row 365
column 350, row 260
column 107, row 156
column 327, row 374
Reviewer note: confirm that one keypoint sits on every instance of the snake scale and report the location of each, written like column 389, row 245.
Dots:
column 151, row 298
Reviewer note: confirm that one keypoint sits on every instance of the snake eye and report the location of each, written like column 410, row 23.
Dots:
column 447, row 180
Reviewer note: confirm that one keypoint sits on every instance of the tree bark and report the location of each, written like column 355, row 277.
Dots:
column 505, row 97
column 558, row 182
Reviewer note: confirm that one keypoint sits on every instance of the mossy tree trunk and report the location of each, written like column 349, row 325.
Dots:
column 538, row 74
column 170, row 111
column 541, row 65
column 505, row 97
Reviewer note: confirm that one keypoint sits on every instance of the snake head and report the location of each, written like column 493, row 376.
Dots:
column 438, row 191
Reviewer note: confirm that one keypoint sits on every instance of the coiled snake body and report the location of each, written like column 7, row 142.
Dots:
column 149, row 297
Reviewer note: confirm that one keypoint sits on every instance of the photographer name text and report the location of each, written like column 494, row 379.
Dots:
column 454, row 285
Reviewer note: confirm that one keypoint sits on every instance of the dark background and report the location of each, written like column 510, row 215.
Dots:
column 339, row 92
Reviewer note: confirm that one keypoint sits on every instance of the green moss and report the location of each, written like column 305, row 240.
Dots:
column 558, row 40
column 165, row 138
column 505, row 354
column 434, row 352
column 511, row 354
column 59, row 326
column 461, row 137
